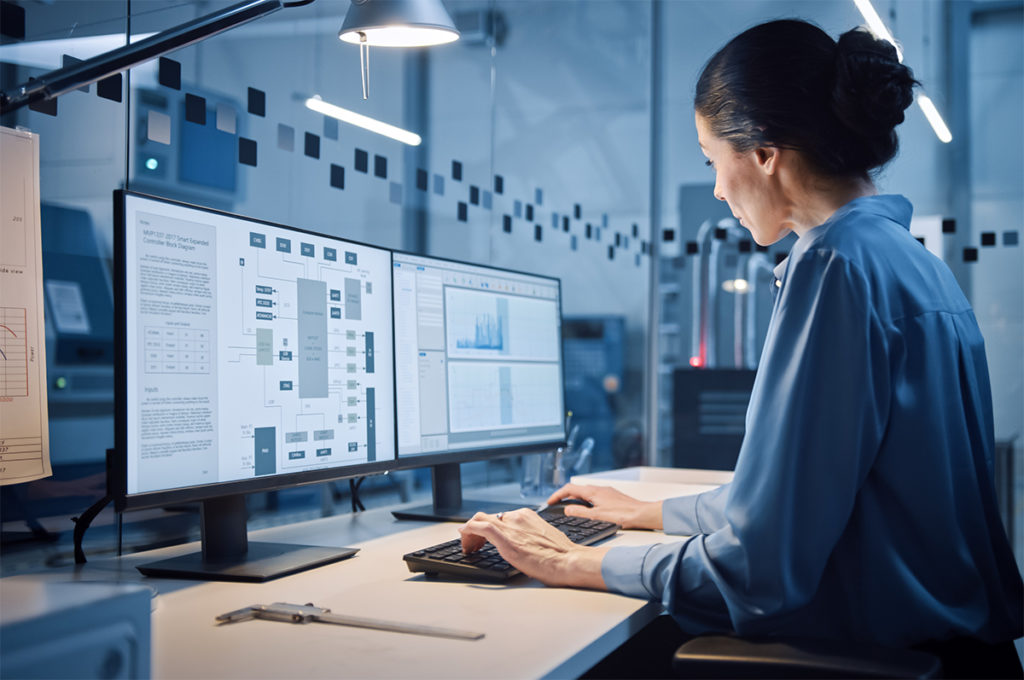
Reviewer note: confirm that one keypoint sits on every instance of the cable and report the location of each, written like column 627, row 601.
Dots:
column 82, row 523
column 353, row 485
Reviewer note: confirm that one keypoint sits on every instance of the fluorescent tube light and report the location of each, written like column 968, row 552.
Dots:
column 876, row 25
column 372, row 124
column 932, row 114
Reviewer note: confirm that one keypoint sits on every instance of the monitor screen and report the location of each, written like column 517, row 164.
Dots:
column 255, row 355
column 478, row 362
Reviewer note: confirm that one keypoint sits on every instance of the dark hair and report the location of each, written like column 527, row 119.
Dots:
column 787, row 84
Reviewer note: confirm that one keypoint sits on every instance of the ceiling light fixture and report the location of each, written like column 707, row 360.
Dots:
column 395, row 23
column 372, row 124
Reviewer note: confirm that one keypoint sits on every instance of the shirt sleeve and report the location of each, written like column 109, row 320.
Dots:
column 815, row 421
column 701, row 513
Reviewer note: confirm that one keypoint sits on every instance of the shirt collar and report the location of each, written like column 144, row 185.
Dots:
column 891, row 206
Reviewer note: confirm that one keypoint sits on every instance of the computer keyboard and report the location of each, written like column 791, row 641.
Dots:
column 486, row 564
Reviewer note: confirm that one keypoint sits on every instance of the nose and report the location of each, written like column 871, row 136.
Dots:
column 718, row 191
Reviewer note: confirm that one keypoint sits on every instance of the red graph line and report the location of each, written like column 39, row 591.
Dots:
column 9, row 330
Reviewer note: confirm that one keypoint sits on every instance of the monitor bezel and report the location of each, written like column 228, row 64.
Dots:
column 117, row 477
column 472, row 455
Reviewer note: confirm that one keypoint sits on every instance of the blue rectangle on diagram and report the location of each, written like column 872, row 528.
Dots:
column 264, row 290
column 257, row 240
column 308, row 250
column 285, row 355
column 330, row 254
column 286, row 385
column 264, row 302
column 353, row 447
column 265, row 316
column 265, row 452
column 320, row 453
column 335, row 295
column 284, row 245
column 296, row 455
column 350, row 258
column 335, row 312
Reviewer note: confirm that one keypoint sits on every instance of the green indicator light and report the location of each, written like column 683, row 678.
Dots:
column 61, row 383
column 151, row 163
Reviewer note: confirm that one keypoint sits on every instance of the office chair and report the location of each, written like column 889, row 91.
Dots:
column 725, row 656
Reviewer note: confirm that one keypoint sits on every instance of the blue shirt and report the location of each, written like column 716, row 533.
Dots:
column 862, row 505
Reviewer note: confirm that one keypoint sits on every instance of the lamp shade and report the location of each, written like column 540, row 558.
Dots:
column 398, row 23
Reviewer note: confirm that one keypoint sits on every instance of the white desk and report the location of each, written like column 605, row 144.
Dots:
column 531, row 631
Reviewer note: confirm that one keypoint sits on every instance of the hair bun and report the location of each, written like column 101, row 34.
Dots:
column 872, row 88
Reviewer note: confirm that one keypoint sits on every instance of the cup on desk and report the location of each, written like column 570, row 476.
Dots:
column 543, row 473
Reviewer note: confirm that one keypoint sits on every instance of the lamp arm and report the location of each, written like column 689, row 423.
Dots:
column 59, row 81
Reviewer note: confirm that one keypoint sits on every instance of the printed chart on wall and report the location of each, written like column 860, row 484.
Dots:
column 24, row 438
column 255, row 349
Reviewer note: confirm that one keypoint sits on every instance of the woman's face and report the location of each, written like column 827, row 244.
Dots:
column 745, row 181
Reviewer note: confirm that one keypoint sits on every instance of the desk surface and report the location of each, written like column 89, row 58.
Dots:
column 530, row 630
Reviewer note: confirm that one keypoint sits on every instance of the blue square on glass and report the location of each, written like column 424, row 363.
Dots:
column 474, row 195
column 195, row 109
column 247, row 151
column 362, row 159
column 169, row 73
column 421, row 179
column 463, row 210
column 538, row 197
column 380, row 166
column 499, row 184
column 457, row 171
column 506, row 224
column 487, row 200
column 312, row 145
column 1009, row 238
column 257, row 102
column 337, row 176
column 439, row 185
column 395, row 193
column 330, row 128
column 517, row 209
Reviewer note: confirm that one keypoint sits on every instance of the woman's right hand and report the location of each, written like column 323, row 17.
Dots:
column 610, row 505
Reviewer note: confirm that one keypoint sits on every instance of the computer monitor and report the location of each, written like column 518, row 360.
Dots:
column 251, row 356
column 478, row 369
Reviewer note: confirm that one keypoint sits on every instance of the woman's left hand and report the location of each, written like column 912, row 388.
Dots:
column 535, row 548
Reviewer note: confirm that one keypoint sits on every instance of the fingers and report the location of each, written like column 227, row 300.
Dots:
column 571, row 491
column 476, row 531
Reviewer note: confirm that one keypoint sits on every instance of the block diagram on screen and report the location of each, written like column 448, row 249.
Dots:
column 310, row 320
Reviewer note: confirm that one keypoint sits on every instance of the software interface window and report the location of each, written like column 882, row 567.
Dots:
column 255, row 350
column 477, row 356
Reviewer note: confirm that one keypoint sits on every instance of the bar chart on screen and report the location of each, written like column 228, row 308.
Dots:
column 13, row 352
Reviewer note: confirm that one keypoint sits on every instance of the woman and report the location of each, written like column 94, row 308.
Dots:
column 862, row 505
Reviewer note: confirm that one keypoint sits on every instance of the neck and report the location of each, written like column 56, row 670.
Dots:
column 812, row 203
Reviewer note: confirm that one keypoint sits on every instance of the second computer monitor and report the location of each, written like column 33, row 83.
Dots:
column 478, row 368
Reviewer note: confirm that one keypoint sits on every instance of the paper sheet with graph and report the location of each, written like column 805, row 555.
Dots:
column 24, row 437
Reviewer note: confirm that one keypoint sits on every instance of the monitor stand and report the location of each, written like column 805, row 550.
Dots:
column 448, row 505
column 227, row 554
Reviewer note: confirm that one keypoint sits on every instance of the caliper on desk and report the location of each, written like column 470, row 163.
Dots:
column 307, row 613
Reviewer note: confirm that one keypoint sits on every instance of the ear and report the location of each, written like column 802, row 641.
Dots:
column 768, row 159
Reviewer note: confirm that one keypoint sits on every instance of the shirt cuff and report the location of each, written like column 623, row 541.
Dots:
column 679, row 516
column 622, row 569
